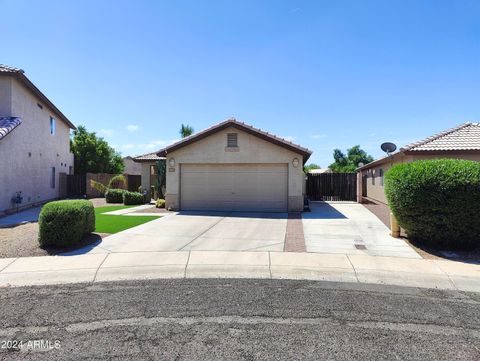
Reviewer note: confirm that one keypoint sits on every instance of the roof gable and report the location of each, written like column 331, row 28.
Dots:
column 19, row 74
column 241, row 126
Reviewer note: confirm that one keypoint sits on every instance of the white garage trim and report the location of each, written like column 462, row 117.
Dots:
column 234, row 187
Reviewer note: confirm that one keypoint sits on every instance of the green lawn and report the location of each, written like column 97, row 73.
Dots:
column 105, row 223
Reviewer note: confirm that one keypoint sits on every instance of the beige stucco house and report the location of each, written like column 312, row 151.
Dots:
column 461, row 142
column 233, row 166
column 34, row 143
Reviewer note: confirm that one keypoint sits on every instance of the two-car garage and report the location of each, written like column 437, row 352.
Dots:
column 234, row 187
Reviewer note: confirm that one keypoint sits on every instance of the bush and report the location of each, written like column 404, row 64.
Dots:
column 114, row 195
column 437, row 201
column 160, row 203
column 130, row 198
column 65, row 223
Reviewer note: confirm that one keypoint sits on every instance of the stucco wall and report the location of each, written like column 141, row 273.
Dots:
column 376, row 191
column 146, row 176
column 5, row 96
column 28, row 154
column 211, row 150
column 131, row 167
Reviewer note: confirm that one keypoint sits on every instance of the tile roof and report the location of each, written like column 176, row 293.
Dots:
column 232, row 122
column 463, row 137
column 7, row 124
column 148, row 157
column 10, row 69
column 19, row 74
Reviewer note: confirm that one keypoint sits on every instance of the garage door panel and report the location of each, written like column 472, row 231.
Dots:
column 238, row 187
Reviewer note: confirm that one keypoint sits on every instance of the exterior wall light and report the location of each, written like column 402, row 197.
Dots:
column 295, row 162
column 171, row 162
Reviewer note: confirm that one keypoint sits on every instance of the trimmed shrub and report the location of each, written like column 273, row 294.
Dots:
column 65, row 223
column 160, row 203
column 437, row 201
column 114, row 195
column 130, row 198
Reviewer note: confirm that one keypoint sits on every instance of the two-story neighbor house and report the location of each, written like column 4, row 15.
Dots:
column 34, row 143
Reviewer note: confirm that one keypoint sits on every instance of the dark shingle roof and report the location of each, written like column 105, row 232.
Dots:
column 19, row 74
column 232, row 122
column 7, row 124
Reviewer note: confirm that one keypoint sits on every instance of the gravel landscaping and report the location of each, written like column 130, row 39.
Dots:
column 22, row 241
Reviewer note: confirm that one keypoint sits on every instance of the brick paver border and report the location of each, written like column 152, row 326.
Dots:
column 294, row 238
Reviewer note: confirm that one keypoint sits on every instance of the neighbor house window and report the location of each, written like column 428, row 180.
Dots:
column 153, row 170
column 232, row 140
column 381, row 177
column 52, row 179
column 52, row 125
column 373, row 178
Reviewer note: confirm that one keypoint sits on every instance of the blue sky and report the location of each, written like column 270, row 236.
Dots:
column 324, row 74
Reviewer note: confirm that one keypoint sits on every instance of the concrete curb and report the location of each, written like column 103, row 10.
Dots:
column 92, row 268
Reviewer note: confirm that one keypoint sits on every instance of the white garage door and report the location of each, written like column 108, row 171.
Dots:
column 234, row 187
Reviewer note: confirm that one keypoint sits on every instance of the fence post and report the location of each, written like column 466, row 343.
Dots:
column 359, row 187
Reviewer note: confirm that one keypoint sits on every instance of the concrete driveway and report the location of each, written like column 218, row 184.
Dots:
column 205, row 231
column 350, row 228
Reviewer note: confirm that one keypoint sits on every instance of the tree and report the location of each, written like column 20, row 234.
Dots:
column 161, row 181
column 93, row 154
column 350, row 162
column 186, row 131
column 310, row 166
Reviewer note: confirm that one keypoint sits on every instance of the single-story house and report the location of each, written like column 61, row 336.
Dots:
column 461, row 142
column 34, row 144
column 233, row 166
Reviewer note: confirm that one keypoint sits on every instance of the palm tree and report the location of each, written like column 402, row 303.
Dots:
column 186, row 131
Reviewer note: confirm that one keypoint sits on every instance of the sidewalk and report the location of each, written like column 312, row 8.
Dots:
column 225, row 264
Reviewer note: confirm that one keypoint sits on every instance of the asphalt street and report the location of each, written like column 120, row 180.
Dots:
column 191, row 319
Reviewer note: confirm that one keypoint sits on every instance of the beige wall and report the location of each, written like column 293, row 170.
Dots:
column 211, row 150
column 28, row 154
column 131, row 167
column 5, row 96
column 376, row 191
column 146, row 176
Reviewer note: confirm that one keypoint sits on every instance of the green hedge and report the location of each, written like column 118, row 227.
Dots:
column 114, row 195
column 130, row 198
column 65, row 223
column 437, row 201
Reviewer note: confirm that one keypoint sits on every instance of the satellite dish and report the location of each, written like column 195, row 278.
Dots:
column 388, row 147
column 360, row 165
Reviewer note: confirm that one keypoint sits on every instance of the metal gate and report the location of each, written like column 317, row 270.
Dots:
column 332, row 187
